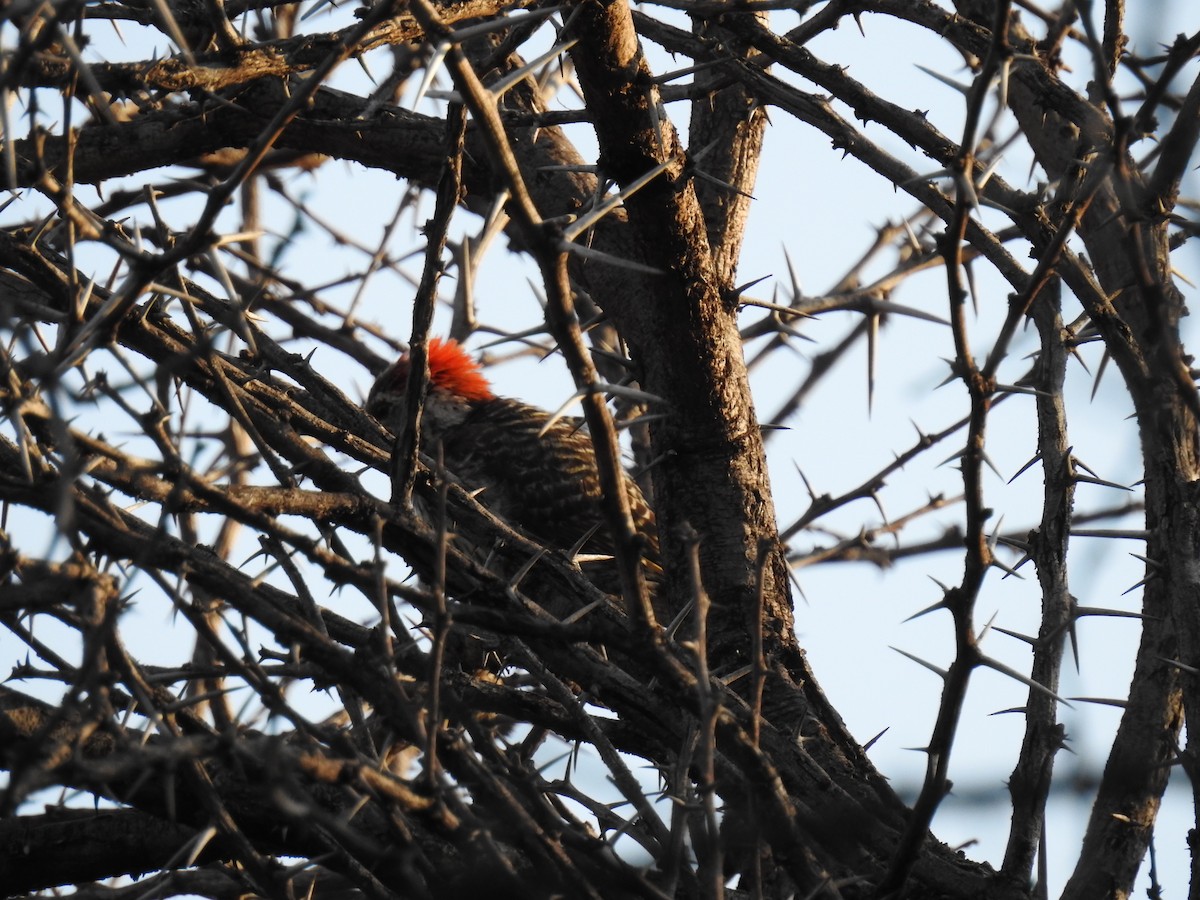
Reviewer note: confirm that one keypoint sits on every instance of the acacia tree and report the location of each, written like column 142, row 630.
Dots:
column 175, row 443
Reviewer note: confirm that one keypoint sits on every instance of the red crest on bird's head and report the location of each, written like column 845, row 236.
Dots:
column 451, row 369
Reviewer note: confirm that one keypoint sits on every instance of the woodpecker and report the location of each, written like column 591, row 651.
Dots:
column 539, row 476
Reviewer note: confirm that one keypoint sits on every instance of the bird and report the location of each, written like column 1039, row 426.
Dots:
column 534, row 471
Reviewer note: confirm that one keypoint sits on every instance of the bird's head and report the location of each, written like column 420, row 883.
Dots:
column 456, row 384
